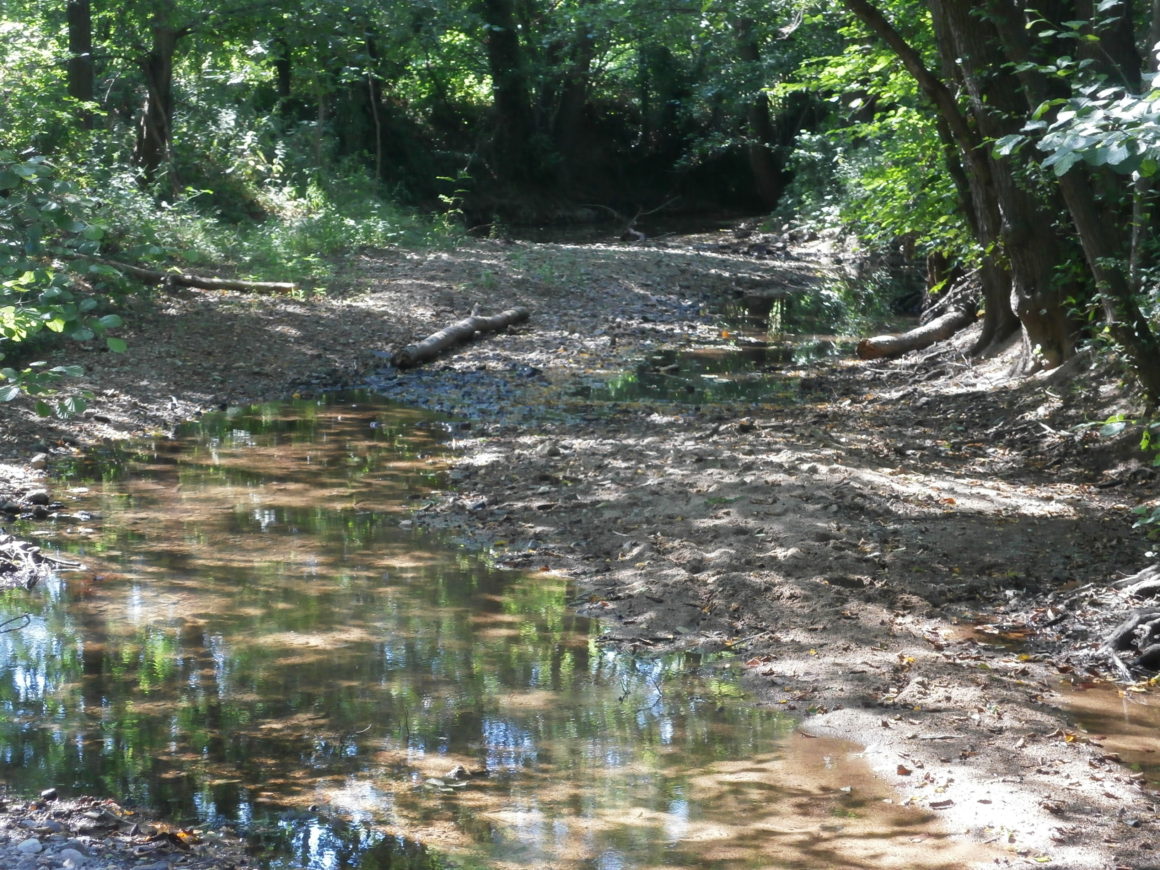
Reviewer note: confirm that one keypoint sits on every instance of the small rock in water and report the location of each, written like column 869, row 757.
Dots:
column 31, row 846
column 39, row 461
column 72, row 858
column 40, row 497
column 49, row 794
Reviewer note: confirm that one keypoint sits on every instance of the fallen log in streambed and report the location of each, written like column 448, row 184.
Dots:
column 455, row 334
column 922, row 336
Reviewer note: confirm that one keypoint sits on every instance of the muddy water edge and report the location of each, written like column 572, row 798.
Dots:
column 260, row 640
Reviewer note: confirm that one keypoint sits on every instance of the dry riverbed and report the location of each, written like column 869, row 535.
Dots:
column 846, row 535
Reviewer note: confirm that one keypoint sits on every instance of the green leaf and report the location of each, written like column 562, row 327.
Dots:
column 1063, row 162
column 1007, row 145
column 116, row 345
column 8, row 392
column 110, row 321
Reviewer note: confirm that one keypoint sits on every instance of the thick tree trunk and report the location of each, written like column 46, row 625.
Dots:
column 512, row 122
column 1030, row 244
column 1095, row 218
column 768, row 178
column 155, row 127
column 80, row 58
column 283, row 74
column 969, row 166
column 573, row 94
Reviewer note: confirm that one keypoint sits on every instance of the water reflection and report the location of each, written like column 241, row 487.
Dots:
column 259, row 640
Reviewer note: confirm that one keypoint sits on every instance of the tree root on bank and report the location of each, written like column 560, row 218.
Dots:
column 1140, row 631
column 457, row 333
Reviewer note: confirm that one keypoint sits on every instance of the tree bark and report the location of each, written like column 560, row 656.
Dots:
column 768, row 178
column 512, row 122
column 80, row 58
column 971, row 42
column 455, row 334
column 574, row 91
column 1096, row 221
column 155, row 128
column 967, row 161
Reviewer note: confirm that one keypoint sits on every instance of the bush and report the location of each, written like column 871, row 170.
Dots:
column 46, row 282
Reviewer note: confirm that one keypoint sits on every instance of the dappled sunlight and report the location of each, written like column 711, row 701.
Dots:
column 234, row 657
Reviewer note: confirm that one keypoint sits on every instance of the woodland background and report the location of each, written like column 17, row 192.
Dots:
column 1011, row 148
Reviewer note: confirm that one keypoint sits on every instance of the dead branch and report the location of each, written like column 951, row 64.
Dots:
column 456, row 334
column 184, row 279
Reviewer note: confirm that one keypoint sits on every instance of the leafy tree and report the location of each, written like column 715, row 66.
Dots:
column 997, row 66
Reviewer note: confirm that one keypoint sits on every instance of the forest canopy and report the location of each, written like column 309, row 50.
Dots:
column 1013, row 147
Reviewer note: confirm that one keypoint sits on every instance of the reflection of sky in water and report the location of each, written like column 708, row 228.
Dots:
column 507, row 744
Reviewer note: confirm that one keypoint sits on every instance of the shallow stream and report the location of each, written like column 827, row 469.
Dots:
column 260, row 639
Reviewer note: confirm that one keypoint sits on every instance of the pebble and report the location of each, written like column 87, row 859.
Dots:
column 72, row 858
column 31, row 846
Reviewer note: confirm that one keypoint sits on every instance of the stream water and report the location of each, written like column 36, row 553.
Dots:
column 260, row 639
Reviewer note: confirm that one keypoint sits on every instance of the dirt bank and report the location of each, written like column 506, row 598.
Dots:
column 844, row 535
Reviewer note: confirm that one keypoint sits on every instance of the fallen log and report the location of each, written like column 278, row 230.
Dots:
column 940, row 328
column 455, row 334
column 186, row 280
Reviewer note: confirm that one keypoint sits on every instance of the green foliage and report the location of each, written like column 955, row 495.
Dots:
column 34, row 110
column 46, row 284
column 877, row 169
column 1101, row 127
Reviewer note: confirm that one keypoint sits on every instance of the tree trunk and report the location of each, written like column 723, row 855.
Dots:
column 80, row 59
column 768, row 178
column 942, row 327
column 512, row 122
column 968, row 164
column 574, row 91
column 283, row 74
column 155, row 128
column 1033, row 250
column 1095, row 218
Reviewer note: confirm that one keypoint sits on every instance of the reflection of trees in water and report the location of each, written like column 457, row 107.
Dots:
column 264, row 637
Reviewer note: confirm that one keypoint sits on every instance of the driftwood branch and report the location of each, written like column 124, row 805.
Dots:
column 186, row 280
column 455, row 334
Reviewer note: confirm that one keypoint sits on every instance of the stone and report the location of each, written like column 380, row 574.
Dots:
column 31, row 846
column 72, row 858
